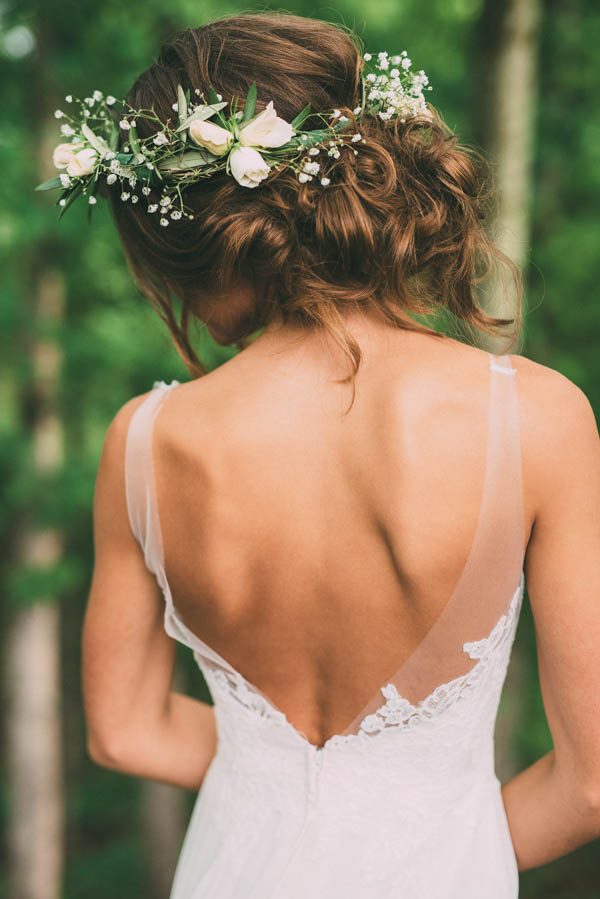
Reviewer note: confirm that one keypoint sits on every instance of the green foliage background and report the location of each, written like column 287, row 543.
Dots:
column 114, row 346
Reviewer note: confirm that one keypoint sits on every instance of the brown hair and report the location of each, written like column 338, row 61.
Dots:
column 400, row 227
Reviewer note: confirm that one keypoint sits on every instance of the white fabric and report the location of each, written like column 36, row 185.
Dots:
column 405, row 803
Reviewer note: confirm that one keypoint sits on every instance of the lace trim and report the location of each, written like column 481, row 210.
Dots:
column 396, row 710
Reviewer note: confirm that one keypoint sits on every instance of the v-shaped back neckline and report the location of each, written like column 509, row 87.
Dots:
column 147, row 529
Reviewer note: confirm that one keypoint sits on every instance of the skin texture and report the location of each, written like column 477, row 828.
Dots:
column 262, row 479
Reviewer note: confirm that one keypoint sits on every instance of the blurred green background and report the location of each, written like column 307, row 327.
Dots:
column 519, row 78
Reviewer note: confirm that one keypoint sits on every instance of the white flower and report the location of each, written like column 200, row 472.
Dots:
column 165, row 201
column 82, row 162
column 175, row 106
column 247, row 166
column 303, row 177
column 125, row 196
column 335, row 114
column 312, row 168
column 134, row 198
column 89, row 101
column 58, row 114
column 325, row 181
column 153, row 207
column 164, row 222
column 92, row 201
column 356, row 110
column 62, row 201
column 396, row 60
column 394, row 73
column 313, row 151
column 384, row 63
column 371, row 77
column 160, row 139
column 175, row 214
column 145, row 190
column 367, row 57
column 69, row 98
column 215, row 139
column 356, row 137
column 124, row 124
column 406, row 63
column 110, row 179
column 110, row 100
column 67, row 130
column 97, row 95
column 266, row 130
column 149, row 165
column 64, row 180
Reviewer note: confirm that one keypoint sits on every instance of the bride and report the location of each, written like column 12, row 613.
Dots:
column 340, row 520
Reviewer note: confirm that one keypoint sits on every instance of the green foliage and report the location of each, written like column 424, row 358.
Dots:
column 114, row 345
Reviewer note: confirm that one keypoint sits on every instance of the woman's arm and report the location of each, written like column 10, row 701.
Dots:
column 554, row 805
column 136, row 722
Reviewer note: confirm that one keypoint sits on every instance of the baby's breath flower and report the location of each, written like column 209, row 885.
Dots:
column 153, row 207
column 325, row 181
column 58, row 114
column 92, row 201
column 110, row 100
column 371, row 77
column 124, row 124
column 174, row 106
column 69, row 98
column 67, row 130
column 164, row 222
column 175, row 214
column 62, row 201
column 65, row 180
column 149, row 165
column 356, row 110
column 125, row 196
column 160, row 139
column 356, row 137
column 303, row 177
column 134, row 198
column 97, row 95
column 311, row 168
column 313, row 151
column 110, row 179
column 89, row 101
column 406, row 63
column 367, row 57
column 145, row 190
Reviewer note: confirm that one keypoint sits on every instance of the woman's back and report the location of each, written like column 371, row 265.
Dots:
column 314, row 550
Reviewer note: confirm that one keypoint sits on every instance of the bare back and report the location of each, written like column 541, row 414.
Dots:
column 312, row 550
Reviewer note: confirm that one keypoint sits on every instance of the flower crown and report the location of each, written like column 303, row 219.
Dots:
column 211, row 135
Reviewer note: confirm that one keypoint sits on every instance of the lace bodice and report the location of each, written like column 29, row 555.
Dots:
column 416, row 762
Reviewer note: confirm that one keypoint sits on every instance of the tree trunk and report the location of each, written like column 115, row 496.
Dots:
column 34, row 739
column 507, row 42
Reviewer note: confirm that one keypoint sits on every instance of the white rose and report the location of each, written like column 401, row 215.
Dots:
column 266, row 130
column 63, row 154
column 248, row 167
column 82, row 162
column 217, row 140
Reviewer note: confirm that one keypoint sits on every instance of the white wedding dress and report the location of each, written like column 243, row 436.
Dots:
column 405, row 803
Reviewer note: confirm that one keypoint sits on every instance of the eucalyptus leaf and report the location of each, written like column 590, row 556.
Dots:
column 50, row 185
column 200, row 114
column 250, row 103
column 134, row 141
column 192, row 159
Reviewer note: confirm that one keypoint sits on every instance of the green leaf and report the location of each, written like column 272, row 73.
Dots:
column 94, row 140
column 71, row 197
column 49, row 185
column 301, row 117
column 200, row 114
column 250, row 103
column 213, row 96
column 134, row 142
column 190, row 160
column 182, row 108
column 181, row 103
